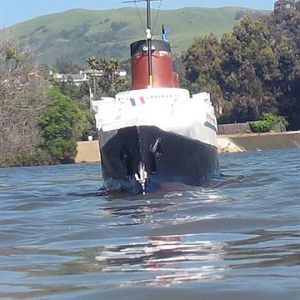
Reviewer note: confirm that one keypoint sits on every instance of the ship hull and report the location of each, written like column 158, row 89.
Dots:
column 167, row 157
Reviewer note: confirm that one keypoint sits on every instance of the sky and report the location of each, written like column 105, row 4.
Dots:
column 16, row 11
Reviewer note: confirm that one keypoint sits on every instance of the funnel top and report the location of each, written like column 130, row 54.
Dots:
column 157, row 45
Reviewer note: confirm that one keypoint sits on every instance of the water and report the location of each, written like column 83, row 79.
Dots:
column 238, row 239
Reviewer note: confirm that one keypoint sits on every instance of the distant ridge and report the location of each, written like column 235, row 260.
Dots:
column 80, row 33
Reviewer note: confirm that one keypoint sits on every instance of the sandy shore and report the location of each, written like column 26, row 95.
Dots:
column 89, row 151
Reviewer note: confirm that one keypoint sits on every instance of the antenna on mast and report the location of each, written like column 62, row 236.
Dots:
column 148, row 38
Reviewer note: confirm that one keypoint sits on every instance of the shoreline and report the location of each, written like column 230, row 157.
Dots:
column 88, row 151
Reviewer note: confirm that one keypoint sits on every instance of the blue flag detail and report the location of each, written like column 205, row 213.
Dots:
column 132, row 102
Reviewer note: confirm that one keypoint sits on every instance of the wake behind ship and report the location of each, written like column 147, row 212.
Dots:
column 156, row 133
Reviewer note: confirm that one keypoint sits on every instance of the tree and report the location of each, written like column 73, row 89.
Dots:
column 110, row 82
column 248, row 63
column 22, row 98
column 202, row 64
column 80, row 95
column 284, row 24
column 61, row 126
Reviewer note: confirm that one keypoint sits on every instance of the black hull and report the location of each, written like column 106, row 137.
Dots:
column 167, row 157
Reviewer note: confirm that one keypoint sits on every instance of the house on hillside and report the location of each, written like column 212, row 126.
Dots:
column 82, row 76
column 78, row 79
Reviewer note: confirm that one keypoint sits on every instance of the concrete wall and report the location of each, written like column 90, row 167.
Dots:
column 258, row 142
column 254, row 142
column 233, row 128
column 89, row 151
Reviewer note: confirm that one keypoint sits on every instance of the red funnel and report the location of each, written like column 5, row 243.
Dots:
column 162, row 65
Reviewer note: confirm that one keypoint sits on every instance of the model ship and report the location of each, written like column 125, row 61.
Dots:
column 156, row 133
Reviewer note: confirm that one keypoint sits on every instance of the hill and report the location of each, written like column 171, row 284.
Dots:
column 78, row 34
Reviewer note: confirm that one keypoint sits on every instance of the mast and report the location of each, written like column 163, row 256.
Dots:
column 148, row 39
column 149, row 44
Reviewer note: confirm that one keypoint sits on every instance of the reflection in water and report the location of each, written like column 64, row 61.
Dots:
column 178, row 258
column 171, row 259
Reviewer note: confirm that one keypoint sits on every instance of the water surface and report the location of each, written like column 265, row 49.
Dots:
column 238, row 239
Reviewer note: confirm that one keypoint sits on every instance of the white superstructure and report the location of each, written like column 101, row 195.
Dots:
column 170, row 109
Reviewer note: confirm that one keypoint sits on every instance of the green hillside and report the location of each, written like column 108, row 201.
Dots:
column 77, row 34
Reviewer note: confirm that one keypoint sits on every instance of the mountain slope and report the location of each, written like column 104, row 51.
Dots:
column 78, row 34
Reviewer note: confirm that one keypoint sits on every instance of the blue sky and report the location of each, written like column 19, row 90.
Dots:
column 15, row 11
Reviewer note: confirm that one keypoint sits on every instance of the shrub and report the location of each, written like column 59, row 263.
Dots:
column 267, row 122
column 269, row 117
column 280, row 124
column 260, row 126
